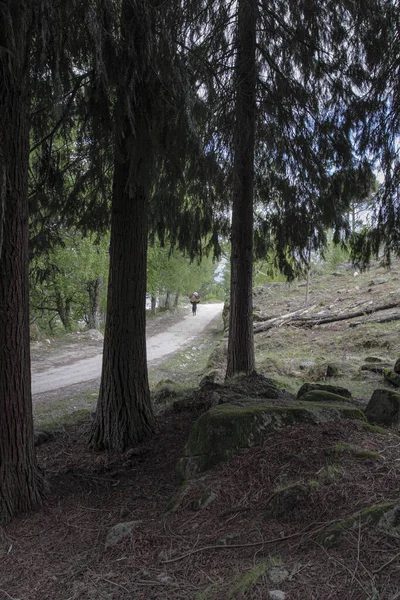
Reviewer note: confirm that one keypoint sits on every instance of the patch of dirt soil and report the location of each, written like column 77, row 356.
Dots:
column 69, row 348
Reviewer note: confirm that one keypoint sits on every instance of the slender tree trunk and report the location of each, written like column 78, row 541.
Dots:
column 167, row 301
column 21, row 484
column 124, row 413
column 93, row 288
column 176, row 300
column 64, row 310
column 153, row 304
column 241, row 340
column 308, row 275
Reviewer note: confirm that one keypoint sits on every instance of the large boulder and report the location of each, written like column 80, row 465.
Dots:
column 384, row 408
column 226, row 429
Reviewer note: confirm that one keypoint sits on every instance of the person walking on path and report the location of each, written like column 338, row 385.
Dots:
column 194, row 300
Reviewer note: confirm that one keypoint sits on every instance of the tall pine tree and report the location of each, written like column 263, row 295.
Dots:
column 304, row 76
column 21, row 484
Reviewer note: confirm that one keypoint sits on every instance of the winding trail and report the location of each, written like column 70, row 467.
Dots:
column 159, row 346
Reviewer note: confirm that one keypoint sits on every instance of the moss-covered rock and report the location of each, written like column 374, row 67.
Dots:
column 228, row 428
column 290, row 497
column 392, row 377
column 333, row 389
column 324, row 396
column 253, row 385
column 373, row 515
column 384, row 408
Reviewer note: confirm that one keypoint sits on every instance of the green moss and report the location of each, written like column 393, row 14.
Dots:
column 64, row 420
column 354, row 451
column 370, row 515
column 245, row 582
column 52, row 415
column 345, row 412
column 324, row 396
column 375, row 429
column 325, row 390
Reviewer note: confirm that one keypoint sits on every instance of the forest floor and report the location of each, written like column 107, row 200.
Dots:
column 236, row 547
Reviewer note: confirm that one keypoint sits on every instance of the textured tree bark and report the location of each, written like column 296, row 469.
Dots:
column 93, row 288
column 21, row 483
column 64, row 310
column 241, row 340
column 124, row 414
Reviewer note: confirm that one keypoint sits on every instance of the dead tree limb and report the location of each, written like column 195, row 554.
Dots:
column 310, row 322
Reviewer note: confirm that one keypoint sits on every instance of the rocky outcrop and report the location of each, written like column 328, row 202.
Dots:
column 226, row 429
column 331, row 389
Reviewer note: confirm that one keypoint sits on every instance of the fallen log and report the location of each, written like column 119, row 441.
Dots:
column 359, row 313
column 383, row 320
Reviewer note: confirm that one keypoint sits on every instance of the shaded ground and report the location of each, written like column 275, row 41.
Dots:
column 60, row 553
column 226, row 550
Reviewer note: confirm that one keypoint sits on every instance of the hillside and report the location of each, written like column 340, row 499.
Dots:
column 335, row 352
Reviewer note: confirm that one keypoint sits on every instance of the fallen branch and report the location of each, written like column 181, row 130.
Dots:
column 383, row 320
column 228, row 546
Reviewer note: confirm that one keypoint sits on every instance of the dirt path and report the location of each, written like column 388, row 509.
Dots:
column 81, row 363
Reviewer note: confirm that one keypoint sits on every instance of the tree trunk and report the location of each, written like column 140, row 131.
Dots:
column 64, row 310
column 93, row 288
column 241, row 340
column 308, row 275
column 167, row 302
column 124, row 413
column 21, row 484
column 176, row 300
column 153, row 304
